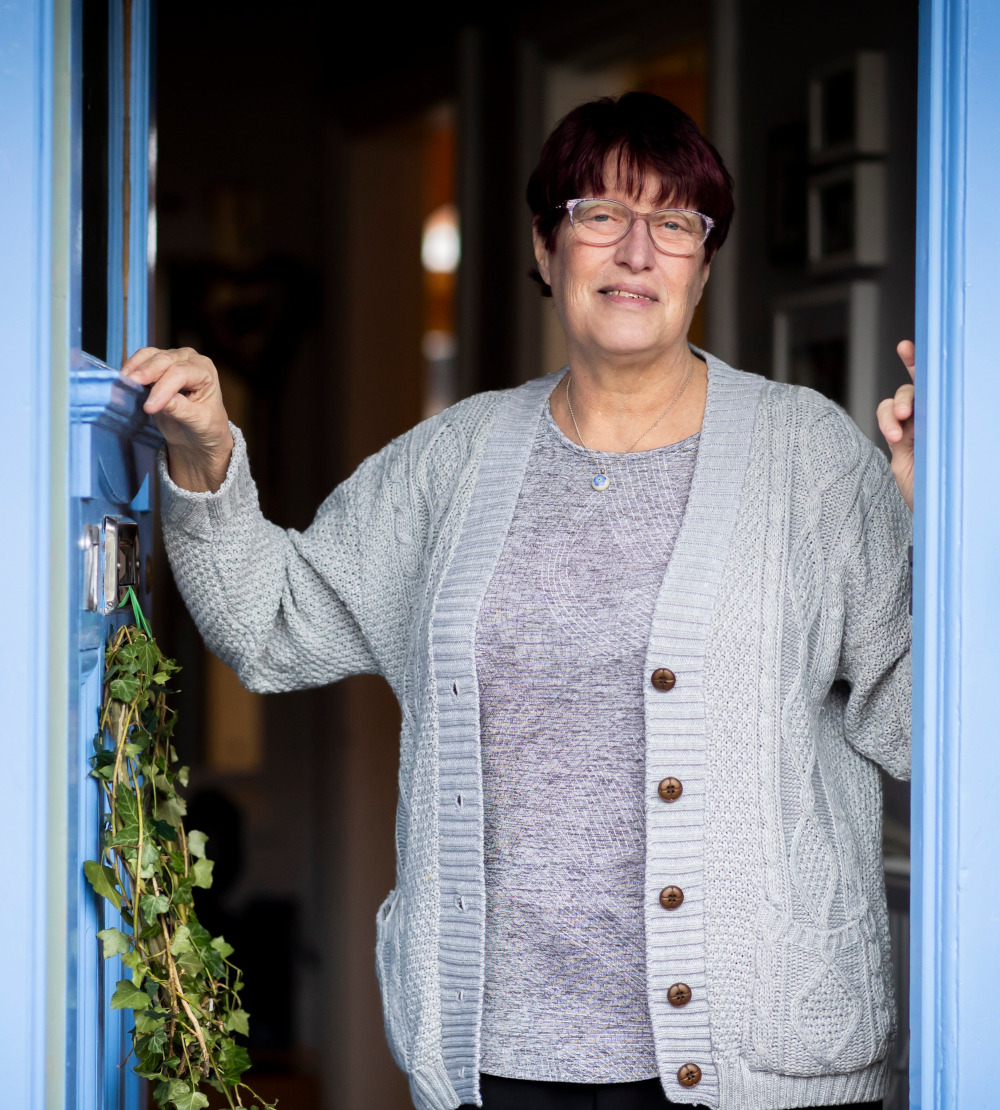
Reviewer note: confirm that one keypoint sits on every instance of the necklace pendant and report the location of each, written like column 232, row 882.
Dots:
column 600, row 482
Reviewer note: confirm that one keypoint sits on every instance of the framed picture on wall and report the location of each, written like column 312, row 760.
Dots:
column 847, row 108
column 847, row 217
column 827, row 338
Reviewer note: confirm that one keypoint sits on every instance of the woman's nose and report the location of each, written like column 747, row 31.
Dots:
column 636, row 250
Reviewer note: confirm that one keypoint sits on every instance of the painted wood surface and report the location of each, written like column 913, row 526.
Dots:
column 74, row 447
column 956, row 816
column 25, row 430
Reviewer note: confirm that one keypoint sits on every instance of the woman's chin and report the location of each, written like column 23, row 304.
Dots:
column 630, row 347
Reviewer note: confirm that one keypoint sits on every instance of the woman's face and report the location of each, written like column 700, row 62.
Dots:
column 626, row 302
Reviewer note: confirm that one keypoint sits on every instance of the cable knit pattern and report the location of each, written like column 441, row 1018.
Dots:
column 783, row 613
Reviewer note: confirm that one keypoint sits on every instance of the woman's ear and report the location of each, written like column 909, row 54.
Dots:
column 541, row 252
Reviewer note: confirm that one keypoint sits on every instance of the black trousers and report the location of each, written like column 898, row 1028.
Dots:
column 528, row 1094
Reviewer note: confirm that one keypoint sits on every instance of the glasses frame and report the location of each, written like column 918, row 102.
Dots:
column 709, row 223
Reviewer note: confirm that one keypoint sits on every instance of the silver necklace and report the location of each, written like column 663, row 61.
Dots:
column 602, row 480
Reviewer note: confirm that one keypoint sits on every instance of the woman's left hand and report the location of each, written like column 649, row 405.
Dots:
column 895, row 420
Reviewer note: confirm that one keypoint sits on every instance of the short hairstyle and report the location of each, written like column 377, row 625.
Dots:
column 651, row 138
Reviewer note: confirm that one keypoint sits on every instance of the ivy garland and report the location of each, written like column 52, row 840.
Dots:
column 183, row 989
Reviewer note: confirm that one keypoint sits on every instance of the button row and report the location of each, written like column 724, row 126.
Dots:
column 670, row 789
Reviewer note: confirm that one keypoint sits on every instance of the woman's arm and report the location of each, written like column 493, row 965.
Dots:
column 274, row 605
column 287, row 609
column 875, row 658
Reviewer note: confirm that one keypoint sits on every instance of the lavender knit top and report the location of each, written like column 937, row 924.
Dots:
column 561, row 651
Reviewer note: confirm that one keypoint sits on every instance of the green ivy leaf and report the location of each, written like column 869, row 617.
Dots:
column 127, row 808
column 150, row 860
column 131, row 960
column 182, row 895
column 202, row 872
column 147, row 656
column 238, row 1022
column 158, row 1043
column 170, row 809
column 148, row 1021
column 184, row 1097
column 127, row 996
column 102, row 879
column 183, row 775
column 116, row 943
column 164, row 830
column 190, row 964
column 234, row 1060
column 181, row 942
column 225, row 950
column 124, row 689
column 196, row 843
column 153, row 904
column 141, row 737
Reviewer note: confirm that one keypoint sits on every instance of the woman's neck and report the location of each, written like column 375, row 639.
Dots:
column 615, row 404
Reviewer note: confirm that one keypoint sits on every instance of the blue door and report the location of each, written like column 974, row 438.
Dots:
column 77, row 460
column 111, row 473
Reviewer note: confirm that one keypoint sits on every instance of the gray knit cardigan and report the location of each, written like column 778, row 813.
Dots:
column 783, row 614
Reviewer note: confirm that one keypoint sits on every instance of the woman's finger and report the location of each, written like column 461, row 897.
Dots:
column 902, row 402
column 888, row 424
column 137, row 359
column 152, row 365
column 179, row 377
column 908, row 353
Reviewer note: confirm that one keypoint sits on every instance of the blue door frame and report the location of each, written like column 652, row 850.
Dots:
column 956, row 775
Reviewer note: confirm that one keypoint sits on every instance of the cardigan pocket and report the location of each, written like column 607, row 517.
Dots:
column 822, row 998
column 387, row 966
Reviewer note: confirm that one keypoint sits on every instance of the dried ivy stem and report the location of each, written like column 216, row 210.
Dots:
column 181, row 991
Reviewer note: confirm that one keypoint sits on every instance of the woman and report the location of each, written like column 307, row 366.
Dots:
column 647, row 623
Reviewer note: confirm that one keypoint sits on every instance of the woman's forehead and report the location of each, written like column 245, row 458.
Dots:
column 623, row 179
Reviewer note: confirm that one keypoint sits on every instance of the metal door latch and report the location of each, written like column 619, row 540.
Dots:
column 122, row 567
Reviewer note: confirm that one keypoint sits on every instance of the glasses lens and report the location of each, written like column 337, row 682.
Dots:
column 677, row 232
column 601, row 221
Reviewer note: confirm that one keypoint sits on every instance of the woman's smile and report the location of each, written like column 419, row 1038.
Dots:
column 629, row 295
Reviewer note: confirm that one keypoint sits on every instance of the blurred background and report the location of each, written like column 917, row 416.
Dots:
column 341, row 226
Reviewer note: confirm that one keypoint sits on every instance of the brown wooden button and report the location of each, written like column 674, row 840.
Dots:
column 663, row 679
column 679, row 994
column 671, row 897
column 688, row 1075
column 670, row 789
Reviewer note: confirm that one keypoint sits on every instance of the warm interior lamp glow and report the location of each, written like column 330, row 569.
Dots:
column 441, row 247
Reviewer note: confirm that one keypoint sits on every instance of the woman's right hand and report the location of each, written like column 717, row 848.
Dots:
column 185, row 400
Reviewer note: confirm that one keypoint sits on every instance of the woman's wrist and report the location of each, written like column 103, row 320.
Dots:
column 199, row 471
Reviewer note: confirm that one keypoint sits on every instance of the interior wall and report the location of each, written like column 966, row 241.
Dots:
column 375, row 322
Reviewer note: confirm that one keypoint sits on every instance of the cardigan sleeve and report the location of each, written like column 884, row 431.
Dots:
column 288, row 609
column 875, row 656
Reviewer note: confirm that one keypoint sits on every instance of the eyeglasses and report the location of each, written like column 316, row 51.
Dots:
column 602, row 223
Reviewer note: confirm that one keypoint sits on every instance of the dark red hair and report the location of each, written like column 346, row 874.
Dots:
column 650, row 138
